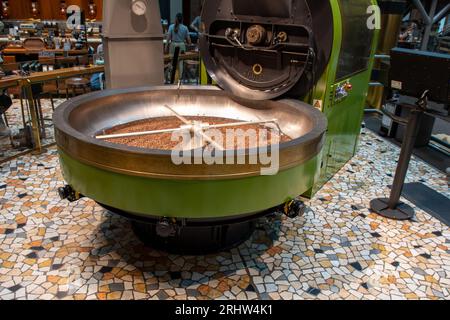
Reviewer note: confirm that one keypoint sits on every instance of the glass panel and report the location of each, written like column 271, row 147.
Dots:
column 356, row 38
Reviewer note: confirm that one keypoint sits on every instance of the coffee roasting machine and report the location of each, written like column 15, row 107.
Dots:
column 304, row 63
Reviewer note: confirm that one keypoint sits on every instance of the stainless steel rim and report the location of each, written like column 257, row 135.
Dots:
column 77, row 120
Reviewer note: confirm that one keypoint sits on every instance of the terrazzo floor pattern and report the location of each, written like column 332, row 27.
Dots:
column 52, row 249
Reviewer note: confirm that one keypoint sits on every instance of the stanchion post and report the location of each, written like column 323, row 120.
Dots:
column 392, row 208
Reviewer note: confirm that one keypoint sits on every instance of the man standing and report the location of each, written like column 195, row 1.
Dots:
column 196, row 24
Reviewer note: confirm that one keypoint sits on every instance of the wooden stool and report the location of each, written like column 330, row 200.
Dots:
column 75, row 84
column 52, row 87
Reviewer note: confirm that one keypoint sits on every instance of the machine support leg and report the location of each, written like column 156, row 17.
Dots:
column 392, row 208
column 428, row 28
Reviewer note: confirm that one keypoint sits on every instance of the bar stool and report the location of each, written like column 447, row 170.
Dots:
column 49, row 88
column 77, row 83
column 60, row 63
column 37, row 92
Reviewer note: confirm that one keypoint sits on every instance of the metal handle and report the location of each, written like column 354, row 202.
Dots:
column 395, row 118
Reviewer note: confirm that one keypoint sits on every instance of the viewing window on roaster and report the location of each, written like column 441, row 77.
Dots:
column 264, row 8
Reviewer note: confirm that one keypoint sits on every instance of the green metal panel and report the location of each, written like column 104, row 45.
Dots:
column 344, row 117
column 188, row 199
column 322, row 94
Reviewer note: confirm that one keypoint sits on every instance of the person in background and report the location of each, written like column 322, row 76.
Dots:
column 57, row 40
column 410, row 34
column 98, row 79
column 178, row 36
column 100, row 49
column 99, row 57
column 196, row 24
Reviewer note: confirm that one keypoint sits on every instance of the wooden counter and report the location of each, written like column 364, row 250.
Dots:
column 10, row 81
column 191, row 55
column 23, row 51
column 25, row 82
column 37, row 77
column 89, row 40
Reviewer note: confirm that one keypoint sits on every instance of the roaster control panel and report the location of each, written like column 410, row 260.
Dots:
column 341, row 91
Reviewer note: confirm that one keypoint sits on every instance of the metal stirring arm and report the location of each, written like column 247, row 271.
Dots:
column 195, row 129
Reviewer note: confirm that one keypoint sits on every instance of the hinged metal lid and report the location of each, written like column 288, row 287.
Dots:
column 262, row 49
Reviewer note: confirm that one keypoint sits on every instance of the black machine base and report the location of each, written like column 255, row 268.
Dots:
column 190, row 237
column 401, row 212
column 196, row 240
column 197, row 237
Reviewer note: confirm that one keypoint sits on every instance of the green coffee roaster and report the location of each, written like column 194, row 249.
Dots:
column 304, row 63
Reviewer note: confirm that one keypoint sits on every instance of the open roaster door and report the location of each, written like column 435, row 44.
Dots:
column 263, row 49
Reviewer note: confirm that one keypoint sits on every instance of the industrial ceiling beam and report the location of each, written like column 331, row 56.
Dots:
column 427, row 33
column 423, row 11
column 430, row 18
column 441, row 14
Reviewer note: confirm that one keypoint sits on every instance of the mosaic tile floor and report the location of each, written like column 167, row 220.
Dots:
column 50, row 249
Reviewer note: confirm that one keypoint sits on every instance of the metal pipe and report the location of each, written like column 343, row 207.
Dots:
column 436, row 146
column 441, row 14
column 412, row 131
column 382, row 56
column 422, row 11
column 374, row 111
column 442, row 142
column 426, row 36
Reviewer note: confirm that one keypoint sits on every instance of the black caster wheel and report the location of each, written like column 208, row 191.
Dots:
column 294, row 209
column 68, row 193
column 63, row 193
